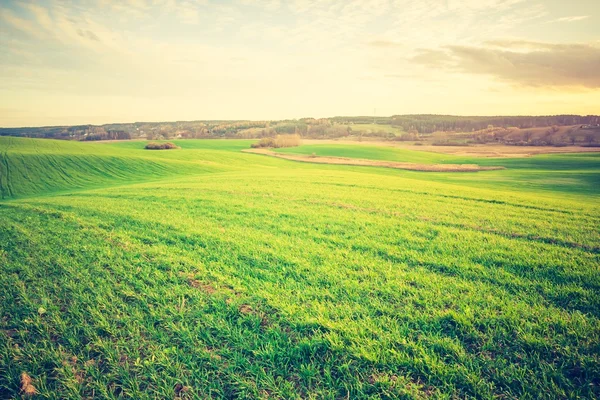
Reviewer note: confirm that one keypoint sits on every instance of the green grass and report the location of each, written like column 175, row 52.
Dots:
column 245, row 276
column 29, row 167
column 546, row 174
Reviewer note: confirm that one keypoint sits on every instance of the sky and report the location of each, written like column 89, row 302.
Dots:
column 101, row 61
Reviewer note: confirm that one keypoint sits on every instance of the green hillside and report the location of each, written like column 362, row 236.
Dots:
column 35, row 166
column 205, row 272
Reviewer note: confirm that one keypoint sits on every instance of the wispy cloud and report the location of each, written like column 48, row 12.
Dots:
column 571, row 19
column 185, row 11
column 19, row 23
column 382, row 43
column 269, row 5
column 41, row 14
column 525, row 63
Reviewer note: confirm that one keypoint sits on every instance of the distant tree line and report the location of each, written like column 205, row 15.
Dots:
column 109, row 135
column 451, row 123
column 396, row 127
column 79, row 132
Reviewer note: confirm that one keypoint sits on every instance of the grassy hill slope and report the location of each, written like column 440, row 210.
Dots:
column 35, row 166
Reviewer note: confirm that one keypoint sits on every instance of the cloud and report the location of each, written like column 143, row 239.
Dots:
column 138, row 3
column 186, row 11
column 384, row 43
column 571, row 19
column 88, row 34
column 524, row 63
column 19, row 23
column 433, row 58
column 41, row 15
column 268, row 5
column 188, row 14
column 481, row 4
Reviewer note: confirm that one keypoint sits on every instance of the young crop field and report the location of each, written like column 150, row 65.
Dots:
column 206, row 272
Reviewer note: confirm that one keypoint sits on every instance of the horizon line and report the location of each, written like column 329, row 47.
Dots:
column 298, row 119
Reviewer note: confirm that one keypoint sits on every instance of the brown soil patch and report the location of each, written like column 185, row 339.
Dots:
column 27, row 385
column 181, row 390
column 478, row 150
column 195, row 283
column 246, row 309
column 375, row 163
column 503, row 151
column 202, row 286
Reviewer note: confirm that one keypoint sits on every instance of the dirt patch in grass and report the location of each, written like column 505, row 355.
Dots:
column 197, row 284
column 476, row 150
column 27, row 387
column 202, row 286
column 72, row 363
column 181, row 390
column 375, row 163
column 246, row 309
column 499, row 151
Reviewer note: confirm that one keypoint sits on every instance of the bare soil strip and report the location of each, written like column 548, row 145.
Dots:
column 375, row 163
column 477, row 150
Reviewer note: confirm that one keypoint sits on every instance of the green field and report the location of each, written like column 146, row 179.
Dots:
column 205, row 272
column 567, row 173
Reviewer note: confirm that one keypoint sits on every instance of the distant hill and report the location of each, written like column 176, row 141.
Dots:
column 444, row 129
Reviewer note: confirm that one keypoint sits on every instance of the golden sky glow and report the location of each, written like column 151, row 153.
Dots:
column 100, row 61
